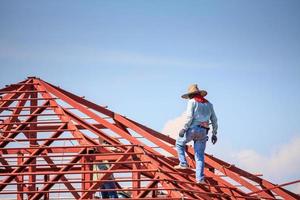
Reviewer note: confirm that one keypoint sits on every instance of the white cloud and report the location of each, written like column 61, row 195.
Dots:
column 279, row 166
column 172, row 127
column 285, row 161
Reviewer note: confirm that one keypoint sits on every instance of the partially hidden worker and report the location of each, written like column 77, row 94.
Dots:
column 199, row 114
column 107, row 184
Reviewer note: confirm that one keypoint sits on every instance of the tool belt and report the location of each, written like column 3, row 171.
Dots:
column 207, row 128
column 202, row 125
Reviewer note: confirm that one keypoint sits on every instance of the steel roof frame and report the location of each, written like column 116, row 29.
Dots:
column 30, row 164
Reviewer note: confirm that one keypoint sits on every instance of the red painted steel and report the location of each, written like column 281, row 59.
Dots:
column 48, row 147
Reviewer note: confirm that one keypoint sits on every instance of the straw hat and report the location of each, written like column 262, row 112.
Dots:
column 193, row 89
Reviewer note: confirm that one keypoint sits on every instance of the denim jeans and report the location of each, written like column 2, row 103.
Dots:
column 199, row 135
column 109, row 194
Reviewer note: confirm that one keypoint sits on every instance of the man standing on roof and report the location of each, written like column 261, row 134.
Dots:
column 199, row 113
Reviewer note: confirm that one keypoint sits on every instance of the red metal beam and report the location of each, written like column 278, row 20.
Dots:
column 16, row 171
column 21, row 127
column 47, row 187
column 63, row 178
column 8, row 98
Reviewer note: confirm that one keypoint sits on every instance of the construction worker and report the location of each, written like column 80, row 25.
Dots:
column 199, row 113
column 105, row 185
column 108, row 184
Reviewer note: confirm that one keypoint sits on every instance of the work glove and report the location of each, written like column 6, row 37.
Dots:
column 182, row 132
column 214, row 138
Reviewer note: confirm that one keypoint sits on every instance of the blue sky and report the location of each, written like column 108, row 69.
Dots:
column 138, row 57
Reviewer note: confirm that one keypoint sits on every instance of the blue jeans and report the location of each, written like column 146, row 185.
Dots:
column 199, row 135
column 109, row 194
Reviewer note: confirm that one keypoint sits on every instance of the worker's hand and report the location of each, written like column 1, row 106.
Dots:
column 182, row 132
column 214, row 138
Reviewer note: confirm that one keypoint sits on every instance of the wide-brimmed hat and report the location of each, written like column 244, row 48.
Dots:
column 193, row 89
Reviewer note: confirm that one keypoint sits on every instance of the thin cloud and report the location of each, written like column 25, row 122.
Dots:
column 173, row 126
column 96, row 56
column 146, row 60
column 280, row 166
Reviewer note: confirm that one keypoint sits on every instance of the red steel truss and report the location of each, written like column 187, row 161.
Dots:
column 50, row 142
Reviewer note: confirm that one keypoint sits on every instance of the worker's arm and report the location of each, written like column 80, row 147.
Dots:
column 189, row 114
column 214, row 121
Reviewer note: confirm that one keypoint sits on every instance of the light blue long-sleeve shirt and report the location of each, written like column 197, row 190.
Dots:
column 200, row 112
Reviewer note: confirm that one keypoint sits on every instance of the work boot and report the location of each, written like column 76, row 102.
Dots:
column 200, row 182
column 181, row 167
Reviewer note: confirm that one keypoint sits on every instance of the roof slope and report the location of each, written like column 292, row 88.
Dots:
column 50, row 142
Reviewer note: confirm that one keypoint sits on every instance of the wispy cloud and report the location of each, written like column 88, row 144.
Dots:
column 285, row 161
column 280, row 166
column 173, row 126
column 97, row 55
column 134, row 58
